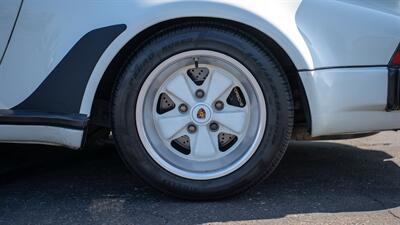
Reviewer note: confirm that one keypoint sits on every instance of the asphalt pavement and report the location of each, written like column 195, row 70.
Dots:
column 343, row 182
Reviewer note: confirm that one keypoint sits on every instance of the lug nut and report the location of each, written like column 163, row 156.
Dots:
column 200, row 93
column 219, row 105
column 183, row 108
column 214, row 126
column 191, row 128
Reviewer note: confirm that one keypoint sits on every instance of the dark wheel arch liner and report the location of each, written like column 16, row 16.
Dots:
column 62, row 91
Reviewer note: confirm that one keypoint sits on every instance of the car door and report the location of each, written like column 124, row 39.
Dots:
column 8, row 15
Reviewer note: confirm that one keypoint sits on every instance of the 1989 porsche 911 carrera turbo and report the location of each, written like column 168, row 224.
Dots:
column 201, row 97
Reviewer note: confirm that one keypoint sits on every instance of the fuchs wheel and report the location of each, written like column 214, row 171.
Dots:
column 224, row 123
column 202, row 112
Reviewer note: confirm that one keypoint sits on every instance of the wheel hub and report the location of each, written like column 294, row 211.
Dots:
column 201, row 114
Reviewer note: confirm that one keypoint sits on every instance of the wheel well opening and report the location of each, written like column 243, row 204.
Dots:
column 100, row 114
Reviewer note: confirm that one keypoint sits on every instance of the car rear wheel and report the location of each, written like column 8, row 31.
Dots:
column 202, row 112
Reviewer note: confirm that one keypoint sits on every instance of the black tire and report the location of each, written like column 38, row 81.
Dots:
column 220, row 38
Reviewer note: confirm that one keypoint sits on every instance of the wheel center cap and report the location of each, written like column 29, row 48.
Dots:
column 201, row 113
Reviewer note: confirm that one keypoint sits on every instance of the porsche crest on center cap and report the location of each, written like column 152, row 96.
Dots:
column 201, row 114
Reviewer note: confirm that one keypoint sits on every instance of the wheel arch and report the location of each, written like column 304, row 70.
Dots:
column 99, row 105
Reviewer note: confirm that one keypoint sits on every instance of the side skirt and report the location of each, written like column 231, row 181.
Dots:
column 42, row 128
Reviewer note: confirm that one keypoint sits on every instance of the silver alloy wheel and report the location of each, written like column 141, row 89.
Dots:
column 201, row 114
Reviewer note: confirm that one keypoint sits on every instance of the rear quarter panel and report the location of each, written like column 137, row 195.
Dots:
column 47, row 29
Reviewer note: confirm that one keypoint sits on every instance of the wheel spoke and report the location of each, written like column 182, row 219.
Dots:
column 180, row 89
column 233, row 120
column 218, row 84
column 203, row 146
column 170, row 125
column 225, row 129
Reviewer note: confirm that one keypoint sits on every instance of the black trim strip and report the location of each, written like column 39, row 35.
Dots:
column 62, row 91
column 393, row 100
column 340, row 67
column 72, row 121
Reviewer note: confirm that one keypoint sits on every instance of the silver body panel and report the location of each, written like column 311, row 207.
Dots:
column 358, row 106
column 8, row 14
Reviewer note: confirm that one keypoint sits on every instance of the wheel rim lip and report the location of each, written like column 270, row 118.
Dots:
column 200, row 175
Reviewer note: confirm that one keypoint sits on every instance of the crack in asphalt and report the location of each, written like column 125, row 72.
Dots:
column 394, row 215
column 381, row 204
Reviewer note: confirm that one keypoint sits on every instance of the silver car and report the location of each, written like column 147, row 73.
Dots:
column 201, row 97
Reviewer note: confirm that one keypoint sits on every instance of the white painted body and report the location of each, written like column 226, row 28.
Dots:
column 8, row 14
column 358, row 106
column 315, row 34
